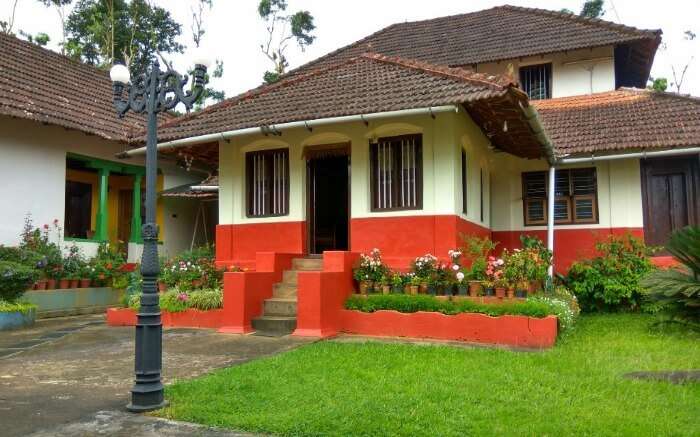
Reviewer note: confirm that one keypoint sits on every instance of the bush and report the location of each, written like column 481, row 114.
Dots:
column 208, row 299
column 677, row 290
column 14, row 307
column 191, row 270
column 176, row 300
column 412, row 304
column 611, row 281
column 15, row 279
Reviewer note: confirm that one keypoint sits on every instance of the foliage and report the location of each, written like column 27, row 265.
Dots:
column 411, row 304
column 658, row 83
column 206, row 299
column 678, row 289
column 611, row 280
column 176, row 300
column 425, row 267
column 198, row 31
column 38, row 241
column 281, row 29
column 15, row 279
column 108, row 264
column 16, row 307
column 397, row 389
column 592, row 9
column 371, row 267
column 477, row 250
column 563, row 304
column 192, row 270
column 73, row 263
column 101, row 32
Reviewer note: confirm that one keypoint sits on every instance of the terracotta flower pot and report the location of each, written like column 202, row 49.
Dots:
column 474, row 288
column 423, row 289
column 40, row 284
column 365, row 287
column 63, row 283
column 386, row 289
column 85, row 283
column 511, row 292
column 162, row 287
column 50, row 284
column 413, row 289
column 500, row 292
column 534, row 286
column 74, row 283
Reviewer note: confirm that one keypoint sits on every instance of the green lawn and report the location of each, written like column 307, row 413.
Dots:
column 331, row 388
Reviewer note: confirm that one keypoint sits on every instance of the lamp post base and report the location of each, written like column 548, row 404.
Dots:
column 131, row 407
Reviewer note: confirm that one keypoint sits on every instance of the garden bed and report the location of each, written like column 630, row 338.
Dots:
column 189, row 318
column 67, row 302
column 16, row 315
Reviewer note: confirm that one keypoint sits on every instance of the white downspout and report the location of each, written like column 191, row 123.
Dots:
column 550, row 220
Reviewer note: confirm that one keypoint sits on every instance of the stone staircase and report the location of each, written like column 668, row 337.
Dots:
column 280, row 311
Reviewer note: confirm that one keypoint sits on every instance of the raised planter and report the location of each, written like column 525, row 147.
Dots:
column 73, row 301
column 17, row 319
column 189, row 318
column 517, row 331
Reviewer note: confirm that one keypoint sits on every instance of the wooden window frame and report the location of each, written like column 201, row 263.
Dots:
column 465, row 183
column 249, row 182
column 570, row 199
column 548, row 88
column 373, row 156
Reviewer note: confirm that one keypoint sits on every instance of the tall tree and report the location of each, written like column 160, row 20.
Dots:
column 198, row 31
column 592, row 9
column 60, row 6
column 282, row 29
column 135, row 32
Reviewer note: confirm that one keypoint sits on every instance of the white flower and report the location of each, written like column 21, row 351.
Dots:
column 455, row 267
column 460, row 276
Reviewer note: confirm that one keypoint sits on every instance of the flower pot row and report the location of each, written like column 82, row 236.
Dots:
column 58, row 284
column 473, row 289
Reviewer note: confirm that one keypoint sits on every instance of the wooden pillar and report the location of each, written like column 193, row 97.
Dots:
column 102, row 213
column 136, row 213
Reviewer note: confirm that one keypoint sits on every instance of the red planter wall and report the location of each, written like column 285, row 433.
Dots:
column 517, row 331
column 238, row 244
column 401, row 239
column 569, row 244
column 186, row 319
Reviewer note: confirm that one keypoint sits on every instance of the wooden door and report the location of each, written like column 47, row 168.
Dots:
column 126, row 208
column 670, row 190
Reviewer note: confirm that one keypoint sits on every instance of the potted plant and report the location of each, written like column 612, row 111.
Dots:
column 489, row 289
column 385, row 284
column 415, row 285
column 85, row 280
column 500, row 288
column 461, row 284
column 370, row 270
column 63, row 281
column 521, row 289
column 40, row 284
column 474, row 288
column 397, row 283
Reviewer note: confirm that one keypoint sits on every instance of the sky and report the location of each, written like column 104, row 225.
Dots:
column 235, row 31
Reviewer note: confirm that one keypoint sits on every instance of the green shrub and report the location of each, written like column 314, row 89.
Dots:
column 677, row 290
column 15, row 279
column 204, row 300
column 13, row 307
column 174, row 301
column 611, row 281
column 410, row 304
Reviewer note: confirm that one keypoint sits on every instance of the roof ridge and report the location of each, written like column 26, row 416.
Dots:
column 664, row 94
column 451, row 72
column 584, row 20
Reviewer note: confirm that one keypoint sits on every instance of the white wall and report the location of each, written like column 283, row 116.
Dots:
column 33, row 176
column 576, row 72
column 619, row 193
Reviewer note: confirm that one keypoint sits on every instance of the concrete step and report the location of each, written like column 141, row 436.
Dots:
column 307, row 264
column 284, row 290
column 290, row 277
column 280, row 307
column 275, row 325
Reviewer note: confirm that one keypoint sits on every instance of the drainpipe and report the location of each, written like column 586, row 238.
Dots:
column 276, row 129
column 550, row 220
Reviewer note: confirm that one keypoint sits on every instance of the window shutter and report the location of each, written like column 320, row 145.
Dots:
column 576, row 198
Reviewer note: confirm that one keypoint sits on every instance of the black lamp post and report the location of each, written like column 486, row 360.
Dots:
column 151, row 93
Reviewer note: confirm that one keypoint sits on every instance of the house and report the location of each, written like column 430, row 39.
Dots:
column 462, row 124
column 59, row 135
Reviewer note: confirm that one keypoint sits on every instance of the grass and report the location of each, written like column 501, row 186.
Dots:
column 332, row 388
column 13, row 307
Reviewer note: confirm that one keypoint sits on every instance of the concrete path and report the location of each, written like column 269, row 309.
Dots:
column 71, row 376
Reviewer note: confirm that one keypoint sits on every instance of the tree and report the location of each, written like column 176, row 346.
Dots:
column 198, row 31
column 41, row 39
column 678, row 73
column 6, row 26
column 658, row 83
column 592, row 9
column 101, row 32
column 281, row 30
column 60, row 6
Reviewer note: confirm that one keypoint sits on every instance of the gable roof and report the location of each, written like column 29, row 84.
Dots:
column 370, row 83
column 44, row 86
column 496, row 34
column 628, row 118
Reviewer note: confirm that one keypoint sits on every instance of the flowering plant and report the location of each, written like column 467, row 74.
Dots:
column 371, row 268
column 494, row 269
column 425, row 267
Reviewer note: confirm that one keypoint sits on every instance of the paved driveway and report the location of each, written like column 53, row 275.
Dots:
column 59, row 374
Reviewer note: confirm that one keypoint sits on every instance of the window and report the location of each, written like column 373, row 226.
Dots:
column 267, row 183
column 396, row 173
column 536, row 81
column 465, row 186
column 576, row 198
column 78, row 209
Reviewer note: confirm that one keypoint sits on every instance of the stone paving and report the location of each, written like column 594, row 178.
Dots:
column 56, row 376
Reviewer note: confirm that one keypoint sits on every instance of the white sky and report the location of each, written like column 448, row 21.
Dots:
column 235, row 31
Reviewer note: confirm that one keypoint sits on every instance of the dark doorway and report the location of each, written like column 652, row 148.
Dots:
column 328, row 200
column 671, row 197
column 78, row 209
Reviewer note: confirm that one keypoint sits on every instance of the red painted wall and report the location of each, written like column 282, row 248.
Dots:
column 569, row 244
column 238, row 244
column 401, row 239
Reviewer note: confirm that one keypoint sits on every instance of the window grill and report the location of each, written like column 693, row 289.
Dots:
column 536, row 81
column 396, row 173
column 267, row 175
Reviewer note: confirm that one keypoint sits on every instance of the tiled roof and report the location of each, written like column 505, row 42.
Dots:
column 41, row 85
column 366, row 84
column 628, row 118
column 500, row 33
column 187, row 190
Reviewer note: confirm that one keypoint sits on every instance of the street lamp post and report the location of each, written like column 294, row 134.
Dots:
column 150, row 93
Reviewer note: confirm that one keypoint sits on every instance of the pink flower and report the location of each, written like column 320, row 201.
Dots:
column 455, row 267
column 46, row 227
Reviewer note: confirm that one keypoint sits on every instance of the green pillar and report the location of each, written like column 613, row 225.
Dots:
column 102, row 217
column 136, row 213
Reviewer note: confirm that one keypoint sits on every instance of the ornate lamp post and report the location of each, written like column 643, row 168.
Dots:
column 151, row 93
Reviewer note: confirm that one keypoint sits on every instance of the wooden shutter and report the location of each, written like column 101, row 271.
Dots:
column 576, row 198
column 396, row 173
column 465, row 185
column 267, row 183
column 584, row 190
